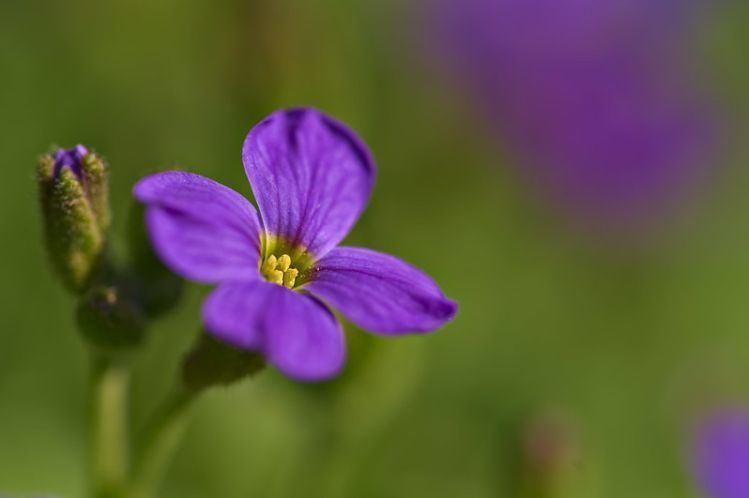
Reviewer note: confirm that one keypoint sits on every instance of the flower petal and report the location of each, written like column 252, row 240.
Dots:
column 311, row 176
column 201, row 229
column 721, row 454
column 295, row 332
column 379, row 292
column 235, row 312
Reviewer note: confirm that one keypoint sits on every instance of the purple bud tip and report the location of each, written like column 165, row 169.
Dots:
column 721, row 454
column 71, row 158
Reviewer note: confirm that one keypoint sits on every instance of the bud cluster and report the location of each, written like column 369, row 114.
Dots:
column 116, row 301
column 74, row 194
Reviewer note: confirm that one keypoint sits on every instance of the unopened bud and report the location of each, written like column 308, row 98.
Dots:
column 74, row 199
column 109, row 321
column 550, row 456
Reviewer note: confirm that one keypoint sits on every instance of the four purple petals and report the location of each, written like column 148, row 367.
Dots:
column 312, row 178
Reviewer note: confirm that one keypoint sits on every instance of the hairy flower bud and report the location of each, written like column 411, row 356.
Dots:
column 109, row 321
column 74, row 199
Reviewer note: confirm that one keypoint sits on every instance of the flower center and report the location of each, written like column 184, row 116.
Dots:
column 279, row 270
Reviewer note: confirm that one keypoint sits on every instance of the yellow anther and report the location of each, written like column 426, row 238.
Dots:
column 289, row 277
column 284, row 262
column 279, row 270
column 269, row 265
column 275, row 277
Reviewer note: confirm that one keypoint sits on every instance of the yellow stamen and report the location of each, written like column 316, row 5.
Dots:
column 276, row 277
column 279, row 270
column 289, row 277
column 284, row 262
column 269, row 265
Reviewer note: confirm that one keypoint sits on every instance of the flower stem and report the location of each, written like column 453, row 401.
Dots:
column 161, row 438
column 108, row 451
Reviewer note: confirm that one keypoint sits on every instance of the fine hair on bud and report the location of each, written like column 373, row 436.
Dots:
column 74, row 199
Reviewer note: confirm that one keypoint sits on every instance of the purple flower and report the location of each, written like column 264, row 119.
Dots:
column 276, row 273
column 69, row 158
column 721, row 455
column 594, row 98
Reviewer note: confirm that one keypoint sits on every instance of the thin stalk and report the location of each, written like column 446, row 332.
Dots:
column 108, row 410
column 162, row 436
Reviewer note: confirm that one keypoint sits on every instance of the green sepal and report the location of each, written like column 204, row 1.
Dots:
column 96, row 184
column 214, row 363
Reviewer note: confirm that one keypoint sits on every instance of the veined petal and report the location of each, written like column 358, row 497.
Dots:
column 379, row 292
column 311, row 176
column 295, row 332
column 201, row 229
column 227, row 316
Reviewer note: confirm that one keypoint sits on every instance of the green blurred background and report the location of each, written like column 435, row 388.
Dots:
column 620, row 347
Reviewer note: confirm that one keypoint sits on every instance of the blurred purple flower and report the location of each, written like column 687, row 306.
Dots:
column 311, row 177
column 593, row 96
column 721, row 455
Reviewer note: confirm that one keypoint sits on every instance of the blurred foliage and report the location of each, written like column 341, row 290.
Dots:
column 627, row 345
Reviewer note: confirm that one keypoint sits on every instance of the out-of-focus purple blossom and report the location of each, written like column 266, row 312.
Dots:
column 721, row 454
column 594, row 97
column 278, row 272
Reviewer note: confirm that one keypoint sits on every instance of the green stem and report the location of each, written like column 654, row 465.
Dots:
column 161, row 439
column 108, row 452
